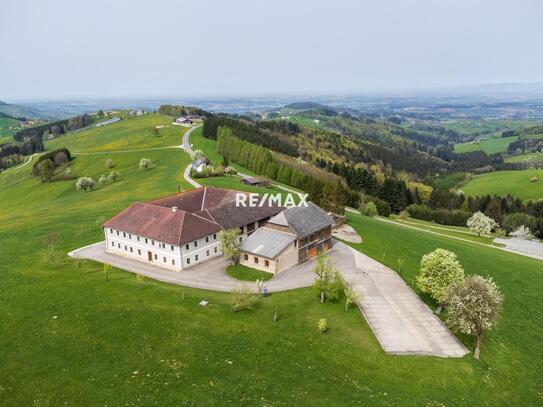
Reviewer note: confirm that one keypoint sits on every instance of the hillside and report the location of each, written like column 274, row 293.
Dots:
column 516, row 183
column 19, row 111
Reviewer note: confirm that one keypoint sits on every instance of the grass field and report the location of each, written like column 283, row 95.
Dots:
column 490, row 146
column 516, row 183
column 244, row 273
column 135, row 133
column 528, row 159
column 71, row 338
column 486, row 126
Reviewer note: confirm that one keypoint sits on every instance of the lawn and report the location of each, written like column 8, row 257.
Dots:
column 71, row 338
column 132, row 133
column 490, row 146
column 244, row 273
column 516, row 183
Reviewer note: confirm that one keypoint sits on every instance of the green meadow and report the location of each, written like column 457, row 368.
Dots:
column 69, row 337
column 516, row 183
column 490, row 146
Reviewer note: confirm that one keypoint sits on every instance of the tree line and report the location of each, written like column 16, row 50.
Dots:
column 57, row 128
column 176, row 111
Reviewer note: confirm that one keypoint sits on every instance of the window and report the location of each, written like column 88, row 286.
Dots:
column 188, row 260
column 241, row 230
column 124, row 234
column 246, row 257
column 163, row 245
column 207, row 252
column 130, row 236
column 295, row 243
column 164, row 259
column 145, row 240
column 156, row 257
column 171, row 247
column 214, row 236
column 113, row 244
column 131, row 250
column 256, row 260
column 207, row 239
column 187, row 246
column 173, row 262
column 119, row 245
column 196, row 258
column 215, row 249
column 267, row 263
column 196, row 243
column 125, row 248
column 152, row 242
column 111, row 231
column 139, row 252
column 138, row 238
column 117, row 233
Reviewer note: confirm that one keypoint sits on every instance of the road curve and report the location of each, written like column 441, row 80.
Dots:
column 188, row 148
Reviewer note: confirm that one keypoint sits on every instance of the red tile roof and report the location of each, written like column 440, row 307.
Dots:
column 200, row 212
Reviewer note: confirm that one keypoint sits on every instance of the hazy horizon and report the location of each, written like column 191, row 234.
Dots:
column 66, row 50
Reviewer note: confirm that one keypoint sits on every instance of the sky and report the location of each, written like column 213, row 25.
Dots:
column 58, row 49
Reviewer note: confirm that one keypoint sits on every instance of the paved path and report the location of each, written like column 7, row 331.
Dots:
column 188, row 148
column 402, row 323
column 531, row 248
column 400, row 320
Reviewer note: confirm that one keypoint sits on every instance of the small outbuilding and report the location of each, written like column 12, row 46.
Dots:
column 256, row 182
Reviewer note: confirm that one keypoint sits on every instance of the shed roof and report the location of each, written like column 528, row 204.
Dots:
column 303, row 220
column 267, row 243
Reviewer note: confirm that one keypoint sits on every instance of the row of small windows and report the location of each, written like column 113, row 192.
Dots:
column 197, row 257
column 162, row 245
column 256, row 260
column 195, row 243
column 131, row 250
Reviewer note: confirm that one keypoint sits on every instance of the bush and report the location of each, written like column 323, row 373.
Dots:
column 323, row 325
column 243, row 299
column 383, row 208
column 109, row 163
column 368, row 209
column 85, row 183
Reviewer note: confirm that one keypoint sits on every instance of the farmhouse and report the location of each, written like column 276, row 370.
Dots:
column 290, row 237
column 200, row 164
column 184, row 121
column 181, row 230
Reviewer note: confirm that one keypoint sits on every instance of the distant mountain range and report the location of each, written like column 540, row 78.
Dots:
column 21, row 112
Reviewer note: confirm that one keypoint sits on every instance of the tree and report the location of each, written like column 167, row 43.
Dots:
column 145, row 164
column 351, row 296
column 329, row 283
column 368, row 209
column 197, row 154
column 47, row 170
column 113, row 176
column 84, row 183
column 106, row 269
column 522, row 232
column 438, row 271
column 140, row 278
column 230, row 244
column 481, row 224
column 474, row 306
column 109, row 163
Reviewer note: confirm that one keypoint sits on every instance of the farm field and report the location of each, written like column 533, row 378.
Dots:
column 486, row 126
column 490, row 146
column 516, row 183
column 94, row 342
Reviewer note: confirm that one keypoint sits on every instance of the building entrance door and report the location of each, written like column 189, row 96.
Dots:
column 150, row 256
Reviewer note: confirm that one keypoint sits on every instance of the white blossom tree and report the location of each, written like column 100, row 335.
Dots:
column 438, row 271
column 474, row 306
column 523, row 232
column 481, row 224
column 145, row 163
column 85, row 183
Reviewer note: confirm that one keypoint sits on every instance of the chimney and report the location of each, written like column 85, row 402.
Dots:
column 174, row 209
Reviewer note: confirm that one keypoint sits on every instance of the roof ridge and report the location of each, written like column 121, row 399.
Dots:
column 207, row 220
column 203, row 199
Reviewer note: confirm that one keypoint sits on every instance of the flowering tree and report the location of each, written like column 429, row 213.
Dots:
column 474, row 306
column 230, row 244
column 438, row 271
column 84, row 183
column 481, row 224
column 145, row 163
column 523, row 232
column 328, row 283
